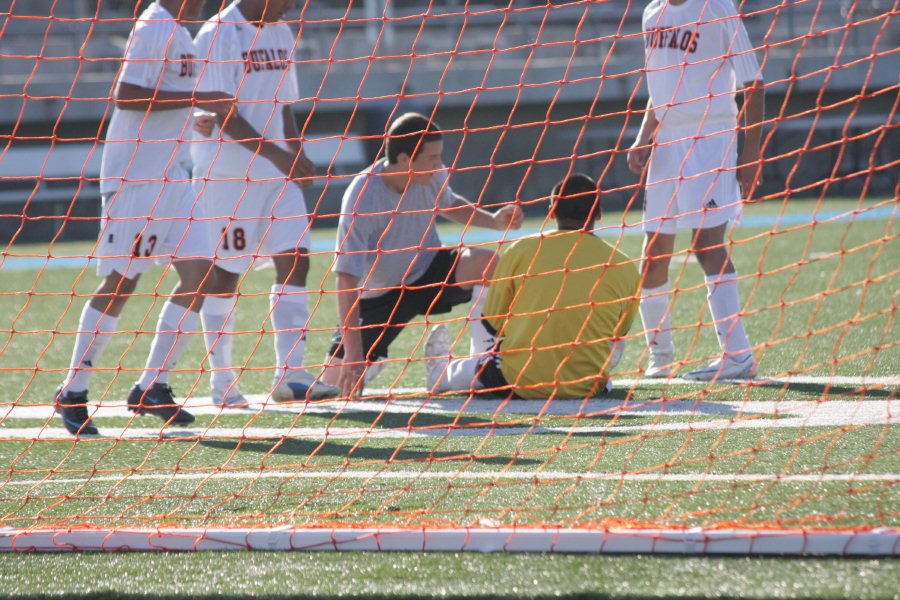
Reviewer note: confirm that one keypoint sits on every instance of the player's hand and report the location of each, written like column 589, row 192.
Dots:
column 217, row 103
column 295, row 166
column 204, row 122
column 749, row 172
column 351, row 379
column 638, row 155
column 508, row 217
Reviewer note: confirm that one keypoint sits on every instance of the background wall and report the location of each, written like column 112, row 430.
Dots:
column 525, row 93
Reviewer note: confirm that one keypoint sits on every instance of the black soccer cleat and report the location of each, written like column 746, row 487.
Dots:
column 158, row 400
column 72, row 407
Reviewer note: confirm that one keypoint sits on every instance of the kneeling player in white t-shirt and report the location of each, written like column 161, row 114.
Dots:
column 150, row 212
column 697, row 51
column 245, row 176
column 390, row 264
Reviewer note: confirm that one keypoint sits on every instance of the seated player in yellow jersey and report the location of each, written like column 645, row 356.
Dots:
column 559, row 304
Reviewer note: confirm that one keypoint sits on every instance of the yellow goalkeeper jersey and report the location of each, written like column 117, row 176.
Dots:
column 557, row 300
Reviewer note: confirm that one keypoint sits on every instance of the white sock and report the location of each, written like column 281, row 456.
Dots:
column 725, row 307
column 218, row 319
column 480, row 340
column 290, row 317
column 95, row 330
column 655, row 311
column 460, row 375
column 172, row 337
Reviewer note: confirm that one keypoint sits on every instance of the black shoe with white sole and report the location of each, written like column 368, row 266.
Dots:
column 158, row 400
column 72, row 407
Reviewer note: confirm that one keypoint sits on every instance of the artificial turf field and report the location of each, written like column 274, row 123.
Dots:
column 794, row 449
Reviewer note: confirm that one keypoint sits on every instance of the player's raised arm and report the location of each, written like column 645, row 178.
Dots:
column 639, row 152
column 464, row 212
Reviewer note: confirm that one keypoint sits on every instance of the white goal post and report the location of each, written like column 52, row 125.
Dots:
column 695, row 541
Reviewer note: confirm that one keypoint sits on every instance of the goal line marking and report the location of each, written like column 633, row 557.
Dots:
column 385, row 402
column 531, row 475
column 875, row 413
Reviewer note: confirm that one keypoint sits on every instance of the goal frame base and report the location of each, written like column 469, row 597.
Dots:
column 697, row 541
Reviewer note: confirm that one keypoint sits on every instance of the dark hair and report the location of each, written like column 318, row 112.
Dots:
column 576, row 199
column 408, row 133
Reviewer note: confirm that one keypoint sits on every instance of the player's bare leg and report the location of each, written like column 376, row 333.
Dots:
column 655, row 305
column 724, row 304
column 709, row 248
column 474, row 270
column 289, row 313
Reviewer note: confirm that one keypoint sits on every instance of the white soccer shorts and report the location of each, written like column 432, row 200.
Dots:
column 252, row 220
column 146, row 222
column 692, row 183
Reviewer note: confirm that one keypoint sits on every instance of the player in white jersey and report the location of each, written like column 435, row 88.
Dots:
column 698, row 56
column 246, row 176
column 149, row 211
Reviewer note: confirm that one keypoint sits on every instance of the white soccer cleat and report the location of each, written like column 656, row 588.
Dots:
column 302, row 385
column 437, row 356
column 726, row 367
column 660, row 366
column 231, row 398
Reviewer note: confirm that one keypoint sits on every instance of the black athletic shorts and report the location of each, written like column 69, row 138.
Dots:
column 384, row 317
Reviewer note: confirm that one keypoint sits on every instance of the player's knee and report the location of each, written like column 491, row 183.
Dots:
column 292, row 268
column 113, row 293
column 222, row 282
column 655, row 271
column 476, row 266
column 714, row 261
column 196, row 276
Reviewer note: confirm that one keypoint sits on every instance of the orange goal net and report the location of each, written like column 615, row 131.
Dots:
column 580, row 276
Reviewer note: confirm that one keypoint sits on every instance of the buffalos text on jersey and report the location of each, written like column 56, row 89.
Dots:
column 267, row 59
column 676, row 38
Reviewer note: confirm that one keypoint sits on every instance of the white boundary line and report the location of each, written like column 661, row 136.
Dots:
column 398, row 401
column 530, row 476
column 878, row 542
column 732, row 415
column 357, row 433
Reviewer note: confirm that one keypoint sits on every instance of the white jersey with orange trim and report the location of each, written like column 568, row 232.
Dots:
column 697, row 55
column 142, row 146
column 253, row 64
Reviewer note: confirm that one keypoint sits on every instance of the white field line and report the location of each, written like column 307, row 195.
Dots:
column 415, row 400
column 408, row 476
column 749, row 415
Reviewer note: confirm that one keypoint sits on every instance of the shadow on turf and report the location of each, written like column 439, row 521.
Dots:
column 295, row 447
column 821, row 390
column 421, row 421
